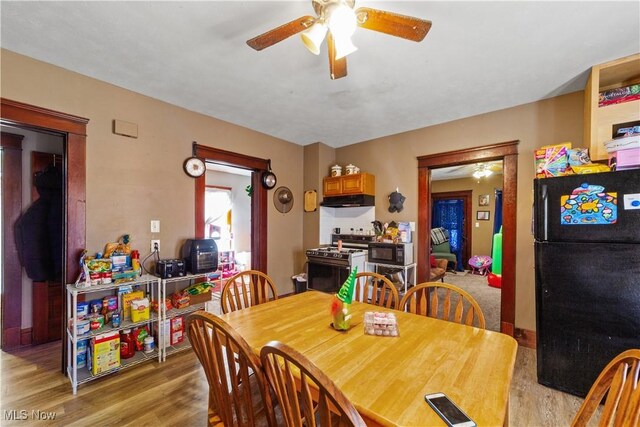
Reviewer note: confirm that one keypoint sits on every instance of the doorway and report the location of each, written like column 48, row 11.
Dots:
column 228, row 216
column 256, row 167
column 452, row 211
column 508, row 153
column 73, row 131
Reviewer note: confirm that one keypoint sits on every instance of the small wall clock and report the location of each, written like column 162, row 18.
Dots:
column 194, row 167
column 269, row 180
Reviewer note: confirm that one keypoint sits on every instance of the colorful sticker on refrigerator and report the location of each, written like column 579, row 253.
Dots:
column 589, row 205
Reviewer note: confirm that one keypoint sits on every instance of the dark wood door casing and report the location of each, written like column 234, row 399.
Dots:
column 258, row 199
column 466, row 196
column 11, row 211
column 74, row 130
column 508, row 153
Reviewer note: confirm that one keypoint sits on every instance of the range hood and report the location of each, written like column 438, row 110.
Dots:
column 350, row 201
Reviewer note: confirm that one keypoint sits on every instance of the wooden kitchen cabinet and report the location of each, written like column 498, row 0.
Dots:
column 332, row 186
column 359, row 183
column 599, row 121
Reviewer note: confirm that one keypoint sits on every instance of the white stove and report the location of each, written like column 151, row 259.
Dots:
column 328, row 267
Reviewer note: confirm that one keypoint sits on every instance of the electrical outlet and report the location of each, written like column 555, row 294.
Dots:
column 155, row 245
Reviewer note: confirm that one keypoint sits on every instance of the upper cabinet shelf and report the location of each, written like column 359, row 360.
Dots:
column 599, row 121
column 359, row 183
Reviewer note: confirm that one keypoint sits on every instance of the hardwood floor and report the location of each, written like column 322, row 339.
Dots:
column 175, row 393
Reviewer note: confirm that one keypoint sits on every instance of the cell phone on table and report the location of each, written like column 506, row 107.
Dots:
column 448, row 411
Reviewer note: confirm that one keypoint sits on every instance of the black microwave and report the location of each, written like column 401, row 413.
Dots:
column 200, row 255
column 391, row 253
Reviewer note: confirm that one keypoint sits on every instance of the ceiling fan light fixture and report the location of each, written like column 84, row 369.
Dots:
column 482, row 171
column 342, row 22
column 313, row 36
column 344, row 47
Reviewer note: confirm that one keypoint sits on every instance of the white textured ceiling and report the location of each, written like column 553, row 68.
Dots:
column 478, row 57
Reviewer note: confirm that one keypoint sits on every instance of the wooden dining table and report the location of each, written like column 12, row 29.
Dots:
column 386, row 378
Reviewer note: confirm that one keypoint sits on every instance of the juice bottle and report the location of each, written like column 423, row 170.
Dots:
column 127, row 346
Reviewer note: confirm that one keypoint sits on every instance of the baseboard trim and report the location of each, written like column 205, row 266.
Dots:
column 525, row 338
column 506, row 328
column 25, row 336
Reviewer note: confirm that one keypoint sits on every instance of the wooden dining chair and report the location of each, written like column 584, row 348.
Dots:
column 374, row 288
column 246, row 289
column 435, row 299
column 238, row 391
column 306, row 395
column 620, row 379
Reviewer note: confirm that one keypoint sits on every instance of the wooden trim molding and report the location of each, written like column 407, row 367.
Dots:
column 508, row 152
column 74, row 129
column 20, row 114
column 11, row 211
column 258, row 200
column 525, row 338
column 25, row 336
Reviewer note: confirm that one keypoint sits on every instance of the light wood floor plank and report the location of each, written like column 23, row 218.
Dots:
column 175, row 393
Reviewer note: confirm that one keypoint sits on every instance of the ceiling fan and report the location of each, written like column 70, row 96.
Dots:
column 337, row 20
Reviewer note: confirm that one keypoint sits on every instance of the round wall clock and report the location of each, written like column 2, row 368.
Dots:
column 269, row 180
column 194, row 167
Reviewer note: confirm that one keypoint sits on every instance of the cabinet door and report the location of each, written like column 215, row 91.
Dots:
column 332, row 186
column 352, row 184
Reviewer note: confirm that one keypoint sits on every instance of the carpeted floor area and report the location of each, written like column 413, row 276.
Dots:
column 487, row 297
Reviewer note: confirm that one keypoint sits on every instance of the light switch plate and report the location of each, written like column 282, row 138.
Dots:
column 155, row 225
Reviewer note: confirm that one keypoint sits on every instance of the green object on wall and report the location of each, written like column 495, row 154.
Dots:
column 496, row 267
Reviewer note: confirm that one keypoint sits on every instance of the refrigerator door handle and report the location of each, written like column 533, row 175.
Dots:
column 545, row 213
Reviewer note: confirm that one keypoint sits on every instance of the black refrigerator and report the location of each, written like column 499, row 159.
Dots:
column 587, row 270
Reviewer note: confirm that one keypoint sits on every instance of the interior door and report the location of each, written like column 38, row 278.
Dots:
column 47, row 300
column 459, row 226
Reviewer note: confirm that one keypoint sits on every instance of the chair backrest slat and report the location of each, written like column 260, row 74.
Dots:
column 246, row 289
column 380, row 289
column 298, row 383
column 621, row 380
column 466, row 310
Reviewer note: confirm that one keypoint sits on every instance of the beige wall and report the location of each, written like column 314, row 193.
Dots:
column 131, row 181
column 128, row 180
column 482, row 235
column 393, row 161
column 318, row 158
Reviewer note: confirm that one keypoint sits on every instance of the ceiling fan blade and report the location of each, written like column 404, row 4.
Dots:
column 406, row 27
column 337, row 67
column 280, row 33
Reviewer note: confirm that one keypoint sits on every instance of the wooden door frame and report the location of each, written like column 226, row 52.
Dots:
column 508, row 153
column 11, row 316
column 258, row 199
column 467, row 197
column 74, row 131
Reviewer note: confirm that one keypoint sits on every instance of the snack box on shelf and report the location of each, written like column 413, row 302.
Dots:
column 105, row 351
column 140, row 309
